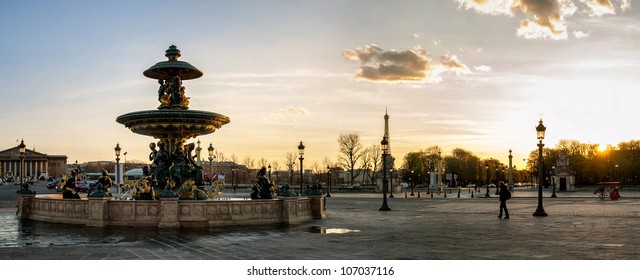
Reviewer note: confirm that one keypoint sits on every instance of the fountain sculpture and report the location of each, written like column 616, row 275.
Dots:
column 173, row 170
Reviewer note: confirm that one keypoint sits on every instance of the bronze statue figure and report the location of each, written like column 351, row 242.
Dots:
column 69, row 186
column 263, row 188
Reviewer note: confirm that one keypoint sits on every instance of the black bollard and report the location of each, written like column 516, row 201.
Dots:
column 405, row 194
column 458, row 194
column 471, row 195
column 431, row 194
column 445, row 194
column 418, row 194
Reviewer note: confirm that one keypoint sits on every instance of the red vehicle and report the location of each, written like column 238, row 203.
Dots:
column 610, row 189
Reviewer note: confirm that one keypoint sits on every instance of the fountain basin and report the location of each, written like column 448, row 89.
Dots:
column 175, row 124
column 170, row 212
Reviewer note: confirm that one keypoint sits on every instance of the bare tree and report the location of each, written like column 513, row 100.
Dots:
column 365, row 160
column 221, row 157
column 263, row 162
column 316, row 168
column 249, row 162
column 375, row 152
column 350, row 153
column 234, row 158
column 290, row 162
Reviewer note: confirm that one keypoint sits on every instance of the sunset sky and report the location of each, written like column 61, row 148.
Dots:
column 458, row 73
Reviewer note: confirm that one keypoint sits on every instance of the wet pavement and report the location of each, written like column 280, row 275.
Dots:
column 579, row 226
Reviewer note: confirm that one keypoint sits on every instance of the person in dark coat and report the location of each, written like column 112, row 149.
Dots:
column 505, row 194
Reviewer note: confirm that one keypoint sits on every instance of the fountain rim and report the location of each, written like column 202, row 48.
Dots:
column 171, row 113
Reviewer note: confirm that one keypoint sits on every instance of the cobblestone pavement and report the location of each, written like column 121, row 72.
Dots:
column 579, row 227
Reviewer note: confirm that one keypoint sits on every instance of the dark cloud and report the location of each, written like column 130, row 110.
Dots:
column 402, row 65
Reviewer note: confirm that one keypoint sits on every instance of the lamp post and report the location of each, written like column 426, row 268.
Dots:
column 22, row 148
column 497, row 178
column 301, row 154
column 269, row 168
column 440, row 170
column 540, row 130
column 391, row 185
column 511, row 168
column 117, row 149
column 210, row 150
column 329, row 173
column 553, row 180
column 411, row 182
column 486, row 167
column 385, row 151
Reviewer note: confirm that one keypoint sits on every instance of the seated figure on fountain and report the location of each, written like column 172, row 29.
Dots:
column 160, row 165
column 68, row 191
column 145, row 190
column 263, row 188
column 180, row 171
column 103, row 186
column 196, row 172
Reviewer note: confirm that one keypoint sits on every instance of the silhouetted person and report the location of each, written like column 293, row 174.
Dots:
column 505, row 194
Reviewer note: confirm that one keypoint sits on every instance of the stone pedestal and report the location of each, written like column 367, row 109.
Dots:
column 289, row 210
column 98, row 211
column 318, row 207
column 24, row 205
column 169, row 213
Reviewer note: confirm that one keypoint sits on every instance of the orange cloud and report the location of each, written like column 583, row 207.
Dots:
column 545, row 19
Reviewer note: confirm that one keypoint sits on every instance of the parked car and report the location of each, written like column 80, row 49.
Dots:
column 82, row 186
column 355, row 187
column 55, row 184
column 30, row 180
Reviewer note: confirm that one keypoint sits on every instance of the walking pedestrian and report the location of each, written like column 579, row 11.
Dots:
column 505, row 194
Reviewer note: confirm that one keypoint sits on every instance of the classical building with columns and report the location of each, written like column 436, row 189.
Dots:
column 35, row 164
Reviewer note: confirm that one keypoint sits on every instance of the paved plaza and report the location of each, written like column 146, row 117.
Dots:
column 579, row 227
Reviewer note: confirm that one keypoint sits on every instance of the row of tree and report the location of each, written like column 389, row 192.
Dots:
column 589, row 163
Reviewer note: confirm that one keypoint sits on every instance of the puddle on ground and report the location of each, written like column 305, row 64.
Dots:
column 613, row 245
column 322, row 230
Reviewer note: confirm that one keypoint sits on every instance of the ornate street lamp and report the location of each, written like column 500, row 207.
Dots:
column 411, row 182
column 117, row 149
column 511, row 169
column 391, row 188
column 329, row 175
column 486, row 167
column 385, row 151
column 210, row 150
column 22, row 148
column 553, row 180
column 497, row 179
column 269, row 168
column 540, row 130
column 301, row 154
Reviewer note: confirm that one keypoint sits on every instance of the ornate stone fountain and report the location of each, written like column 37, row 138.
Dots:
column 172, row 123
column 172, row 173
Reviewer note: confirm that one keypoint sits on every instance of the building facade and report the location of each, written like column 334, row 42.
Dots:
column 36, row 164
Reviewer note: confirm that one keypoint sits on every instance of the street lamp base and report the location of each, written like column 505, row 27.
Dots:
column 385, row 208
column 553, row 195
column 328, row 195
column 540, row 212
column 487, row 195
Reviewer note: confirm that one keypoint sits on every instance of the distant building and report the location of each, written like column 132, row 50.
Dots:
column 35, row 164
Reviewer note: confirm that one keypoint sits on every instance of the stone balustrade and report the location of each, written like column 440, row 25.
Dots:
column 170, row 212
